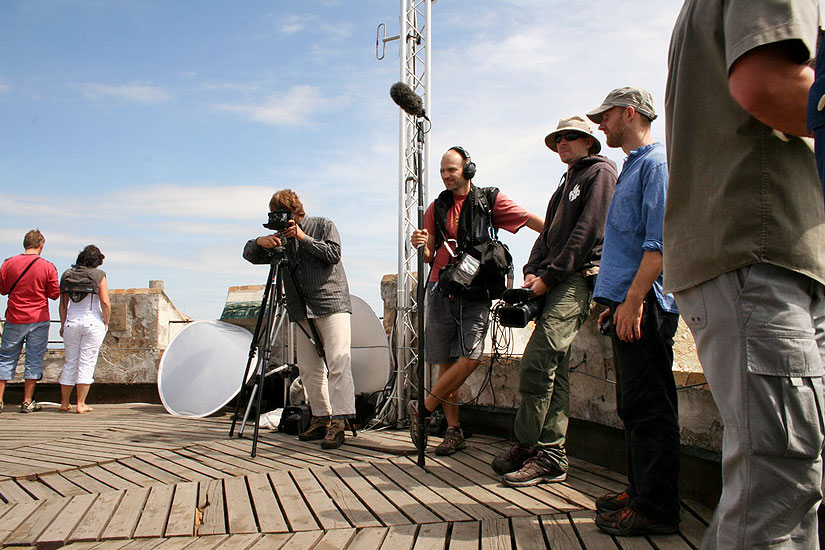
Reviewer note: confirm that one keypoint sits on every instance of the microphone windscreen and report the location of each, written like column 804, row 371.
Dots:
column 407, row 99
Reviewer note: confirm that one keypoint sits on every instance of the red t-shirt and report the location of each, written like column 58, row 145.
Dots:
column 506, row 215
column 28, row 303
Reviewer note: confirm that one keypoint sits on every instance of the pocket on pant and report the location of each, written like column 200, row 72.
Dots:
column 785, row 397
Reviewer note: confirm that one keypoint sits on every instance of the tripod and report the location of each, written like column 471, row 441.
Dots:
column 271, row 317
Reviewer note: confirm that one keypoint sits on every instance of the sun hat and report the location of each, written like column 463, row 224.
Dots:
column 574, row 123
column 639, row 99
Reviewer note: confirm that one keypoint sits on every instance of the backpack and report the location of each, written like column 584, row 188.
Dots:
column 77, row 283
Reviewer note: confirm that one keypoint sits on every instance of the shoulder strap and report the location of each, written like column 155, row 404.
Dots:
column 21, row 275
column 487, row 201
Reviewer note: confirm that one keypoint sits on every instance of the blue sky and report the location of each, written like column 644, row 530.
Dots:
column 158, row 129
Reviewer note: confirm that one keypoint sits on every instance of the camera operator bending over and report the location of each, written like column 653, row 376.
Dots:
column 562, row 265
column 317, row 289
column 456, row 325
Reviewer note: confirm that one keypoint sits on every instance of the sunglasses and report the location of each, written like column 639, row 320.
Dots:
column 569, row 136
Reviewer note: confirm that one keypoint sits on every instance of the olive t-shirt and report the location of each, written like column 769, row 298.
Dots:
column 739, row 192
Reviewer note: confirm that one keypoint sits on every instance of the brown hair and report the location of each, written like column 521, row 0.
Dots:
column 287, row 200
column 90, row 256
column 33, row 239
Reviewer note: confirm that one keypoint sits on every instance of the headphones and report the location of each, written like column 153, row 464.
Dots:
column 469, row 167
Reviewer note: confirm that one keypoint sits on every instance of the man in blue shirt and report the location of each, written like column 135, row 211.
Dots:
column 643, row 320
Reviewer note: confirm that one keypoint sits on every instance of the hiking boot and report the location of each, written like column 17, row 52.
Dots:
column 335, row 434
column 34, row 406
column 317, row 429
column 412, row 412
column 612, row 502
column 627, row 522
column 512, row 459
column 535, row 471
column 453, row 441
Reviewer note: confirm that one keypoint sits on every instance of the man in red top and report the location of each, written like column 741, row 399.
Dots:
column 457, row 325
column 28, row 280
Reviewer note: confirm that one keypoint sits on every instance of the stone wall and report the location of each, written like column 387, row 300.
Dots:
column 592, row 381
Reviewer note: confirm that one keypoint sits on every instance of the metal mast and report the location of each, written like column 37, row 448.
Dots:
column 414, row 48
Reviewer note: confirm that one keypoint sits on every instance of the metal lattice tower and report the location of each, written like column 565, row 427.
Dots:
column 414, row 46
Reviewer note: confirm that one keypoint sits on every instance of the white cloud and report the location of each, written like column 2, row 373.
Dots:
column 133, row 91
column 295, row 107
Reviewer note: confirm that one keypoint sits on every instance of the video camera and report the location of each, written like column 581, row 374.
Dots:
column 278, row 220
column 522, row 307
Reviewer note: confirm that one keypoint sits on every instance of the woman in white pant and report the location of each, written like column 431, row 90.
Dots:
column 84, row 318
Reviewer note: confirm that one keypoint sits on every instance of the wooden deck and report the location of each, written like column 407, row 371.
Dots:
column 133, row 477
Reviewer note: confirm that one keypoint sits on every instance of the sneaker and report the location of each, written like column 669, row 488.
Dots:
column 453, row 441
column 627, row 522
column 535, row 471
column 612, row 502
column 512, row 459
column 1, row 406
column 335, row 434
column 412, row 412
column 317, row 429
column 34, row 406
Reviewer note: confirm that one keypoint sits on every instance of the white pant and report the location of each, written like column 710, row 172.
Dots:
column 82, row 339
column 332, row 394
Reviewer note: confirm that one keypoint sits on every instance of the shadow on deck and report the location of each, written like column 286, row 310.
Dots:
column 131, row 476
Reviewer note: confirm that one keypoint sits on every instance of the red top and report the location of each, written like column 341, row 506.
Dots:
column 506, row 215
column 27, row 303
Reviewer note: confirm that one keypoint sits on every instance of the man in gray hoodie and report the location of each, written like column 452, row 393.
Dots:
column 563, row 262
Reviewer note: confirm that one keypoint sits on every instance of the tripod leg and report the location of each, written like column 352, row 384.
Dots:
column 248, row 409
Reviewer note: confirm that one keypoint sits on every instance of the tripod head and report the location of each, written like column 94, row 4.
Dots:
column 277, row 254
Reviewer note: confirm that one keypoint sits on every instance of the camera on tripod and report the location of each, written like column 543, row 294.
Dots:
column 522, row 307
column 278, row 220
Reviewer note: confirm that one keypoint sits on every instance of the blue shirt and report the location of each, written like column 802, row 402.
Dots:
column 634, row 225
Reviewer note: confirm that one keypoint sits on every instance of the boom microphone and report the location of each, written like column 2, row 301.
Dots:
column 407, row 99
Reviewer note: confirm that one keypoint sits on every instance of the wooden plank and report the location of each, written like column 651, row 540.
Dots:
column 152, row 521
column 468, row 506
column 299, row 541
column 176, row 543
column 12, row 492
column 86, row 482
column 121, row 470
column 181, row 520
column 212, row 509
column 62, row 485
column 465, row 535
column 347, row 501
column 57, row 533
column 184, row 474
column 584, row 522
column 150, row 470
column 109, row 545
column 704, row 513
column 322, row 506
column 528, row 533
column 369, row 538
column 204, row 471
column 400, row 537
column 238, row 506
column 495, row 534
column 410, row 507
column 221, row 461
column 217, row 465
column 208, row 542
column 97, row 517
column 231, row 450
column 270, row 517
column 692, row 529
column 273, row 542
column 378, row 505
column 126, row 516
column 27, row 532
column 276, row 458
column 477, row 471
column 142, row 544
column 239, row 542
column 633, row 543
column 432, row 500
column 39, row 491
column 335, row 539
column 17, row 515
column 569, row 494
column 669, row 542
column 560, row 533
column 431, row 536
column 297, row 513
column 107, row 477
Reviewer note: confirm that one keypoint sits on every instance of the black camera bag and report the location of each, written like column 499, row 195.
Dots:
column 295, row 419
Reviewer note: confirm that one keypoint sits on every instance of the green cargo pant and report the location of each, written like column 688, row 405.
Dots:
column 541, row 420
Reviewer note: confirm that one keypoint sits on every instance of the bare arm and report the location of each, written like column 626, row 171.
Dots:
column 423, row 237
column 63, row 308
column 628, row 315
column 773, row 87
column 105, row 304
column 534, row 222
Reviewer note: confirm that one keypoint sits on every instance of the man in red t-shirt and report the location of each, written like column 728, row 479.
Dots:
column 456, row 325
column 29, row 281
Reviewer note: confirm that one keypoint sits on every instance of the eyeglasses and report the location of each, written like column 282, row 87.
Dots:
column 569, row 136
